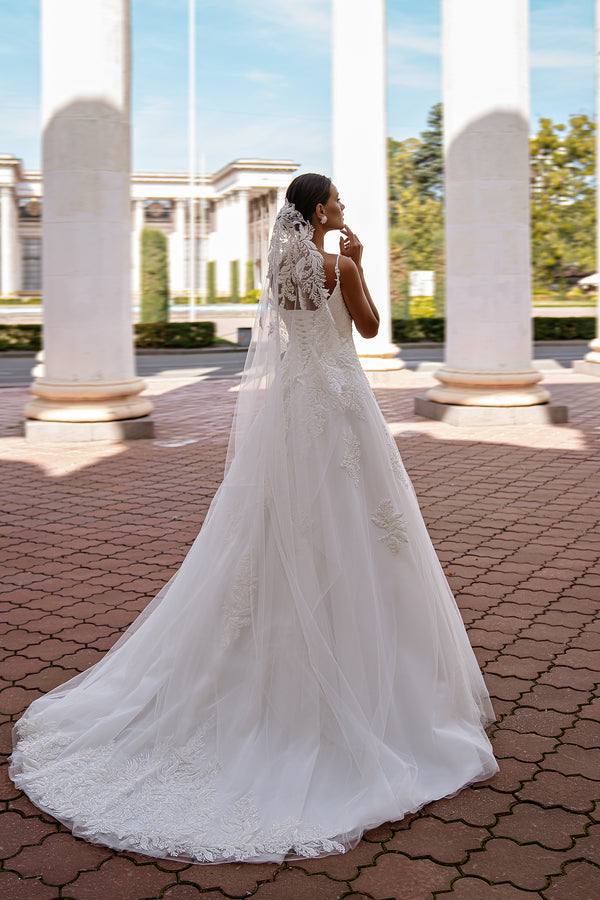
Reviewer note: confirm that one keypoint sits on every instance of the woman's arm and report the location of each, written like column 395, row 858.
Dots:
column 354, row 287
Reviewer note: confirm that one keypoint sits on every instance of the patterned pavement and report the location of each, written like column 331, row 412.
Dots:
column 91, row 532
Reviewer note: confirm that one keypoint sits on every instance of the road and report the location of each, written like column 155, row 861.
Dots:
column 15, row 370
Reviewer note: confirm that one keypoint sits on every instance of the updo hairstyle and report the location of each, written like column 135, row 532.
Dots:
column 306, row 191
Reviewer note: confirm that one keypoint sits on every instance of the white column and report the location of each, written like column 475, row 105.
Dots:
column 360, row 152
column 177, row 249
column 136, row 247
column 590, row 364
column 86, row 224
column 486, row 143
column 9, row 244
column 242, row 230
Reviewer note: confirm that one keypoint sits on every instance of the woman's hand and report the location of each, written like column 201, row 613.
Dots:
column 350, row 245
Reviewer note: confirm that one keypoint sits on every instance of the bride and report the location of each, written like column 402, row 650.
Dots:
column 306, row 674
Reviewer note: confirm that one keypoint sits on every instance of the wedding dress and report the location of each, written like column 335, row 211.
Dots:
column 306, row 674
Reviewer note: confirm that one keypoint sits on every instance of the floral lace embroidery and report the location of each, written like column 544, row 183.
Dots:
column 351, row 460
column 238, row 609
column 392, row 523
column 168, row 802
column 394, row 456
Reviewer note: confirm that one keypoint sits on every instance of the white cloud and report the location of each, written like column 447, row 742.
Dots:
column 425, row 40
column 560, row 59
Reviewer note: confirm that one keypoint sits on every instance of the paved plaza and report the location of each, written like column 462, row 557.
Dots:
column 90, row 532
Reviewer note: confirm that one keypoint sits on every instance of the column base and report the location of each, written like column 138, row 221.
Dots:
column 478, row 416
column 86, row 402
column 382, row 368
column 586, row 367
column 40, row 432
column 590, row 364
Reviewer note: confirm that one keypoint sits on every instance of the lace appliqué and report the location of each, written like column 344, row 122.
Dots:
column 392, row 524
column 394, row 457
column 169, row 802
column 238, row 608
column 351, row 460
column 296, row 273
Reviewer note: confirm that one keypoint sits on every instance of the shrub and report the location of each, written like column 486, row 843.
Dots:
column 211, row 281
column 154, row 305
column 21, row 337
column 234, row 280
column 249, row 276
column 251, row 296
column 422, row 307
column 562, row 328
column 174, row 334
column 425, row 328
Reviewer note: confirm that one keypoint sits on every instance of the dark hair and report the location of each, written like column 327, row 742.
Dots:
column 306, row 191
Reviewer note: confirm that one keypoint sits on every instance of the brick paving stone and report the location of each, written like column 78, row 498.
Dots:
column 119, row 877
column 58, row 859
column 504, row 687
column 521, row 746
column 343, row 866
column 474, row 806
column 546, row 696
column 591, row 711
column 572, row 792
column 580, row 881
column 516, row 666
column 513, row 773
column 567, row 676
column 551, row 828
column 187, row 892
column 526, row 719
column 588, row 846
column 294, row 883
column 14, row 888
column 236, row 879
column 526, row 866
column 584, row 733
column 397, row 877
column 468, row 888
column 17, row 832
column 444, row 842
column 572, row 760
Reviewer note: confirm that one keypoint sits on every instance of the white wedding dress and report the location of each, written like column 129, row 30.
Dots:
column 304, row 676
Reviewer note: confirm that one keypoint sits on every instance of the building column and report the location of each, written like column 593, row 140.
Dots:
column 488, row 377
column 590, row 364
column 89, row 390
column 10, row 262
column 136, row 247
column 360, row 154
column 177, row 249
column 242, row 226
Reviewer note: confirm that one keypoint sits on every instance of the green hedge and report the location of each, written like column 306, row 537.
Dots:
column 545, row 328
column 560, row 328
column 21, row 337
column 426, row 328
column 201, row 334
column 148, row 334
column 174, row 334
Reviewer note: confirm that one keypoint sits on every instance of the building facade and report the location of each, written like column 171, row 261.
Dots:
column 234, row 210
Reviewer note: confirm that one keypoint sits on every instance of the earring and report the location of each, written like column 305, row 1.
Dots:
column 323, row 220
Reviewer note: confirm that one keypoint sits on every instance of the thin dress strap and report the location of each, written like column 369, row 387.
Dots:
column 337, row 270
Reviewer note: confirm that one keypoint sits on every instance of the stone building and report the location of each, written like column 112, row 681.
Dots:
column 235, row 208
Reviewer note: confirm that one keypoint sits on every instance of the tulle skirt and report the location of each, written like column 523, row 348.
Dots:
column 305, row 675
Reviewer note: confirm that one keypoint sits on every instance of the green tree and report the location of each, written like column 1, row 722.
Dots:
column 416, row 221
column 234, row 280
column 563, row 210
column 428, row 159
column 154, row 276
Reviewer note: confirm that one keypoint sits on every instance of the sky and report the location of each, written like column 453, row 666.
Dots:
column 263, row 76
